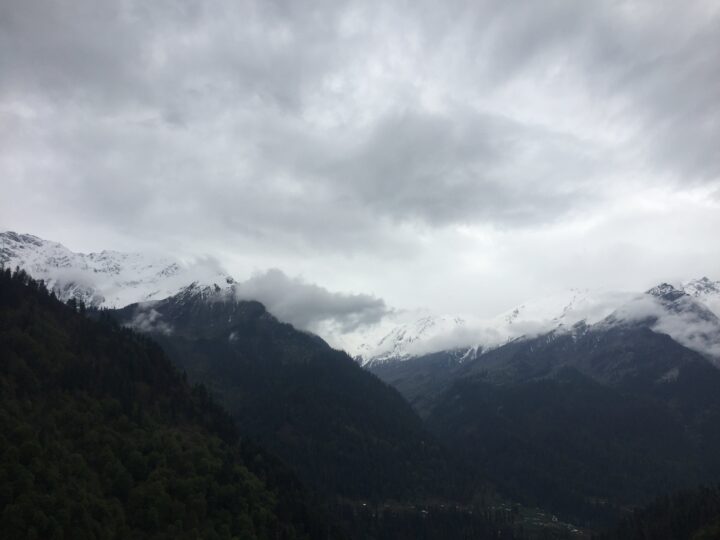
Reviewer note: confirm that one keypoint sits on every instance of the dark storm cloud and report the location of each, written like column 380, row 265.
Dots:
column 331, row 125
column 306, row 305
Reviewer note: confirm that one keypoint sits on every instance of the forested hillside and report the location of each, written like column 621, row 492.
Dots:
column 101, row 437
column 684, row 515
column 345, row 432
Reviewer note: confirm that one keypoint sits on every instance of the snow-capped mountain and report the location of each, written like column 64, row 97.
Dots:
column 411, row 338
column 687, row 313
column 706, row 291
column 671, row 310
column 467, row 336
column 106, row 279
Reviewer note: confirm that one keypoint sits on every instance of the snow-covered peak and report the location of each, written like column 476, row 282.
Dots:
column 702, row 287
column 668, row 310
column 412, row 337
column 686, row 316
column 706, row 291
column 562, row 310
column 666, row 292
column 108, row 278
column 404, row 339
column 689, row 312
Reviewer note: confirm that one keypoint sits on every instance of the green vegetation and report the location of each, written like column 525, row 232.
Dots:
column 685, row 515
column 101, row 437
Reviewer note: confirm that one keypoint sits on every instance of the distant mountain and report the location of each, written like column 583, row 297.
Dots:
column 105, row 279
column 686, row 313
column 410, row 339
column 101, row 437
column 706, row 291
column 114, row 279
column 586, row 420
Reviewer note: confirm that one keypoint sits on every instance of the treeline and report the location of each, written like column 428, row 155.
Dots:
column 101, row 437
column 685, row 515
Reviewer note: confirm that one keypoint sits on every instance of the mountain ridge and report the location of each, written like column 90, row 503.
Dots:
column 115, row 279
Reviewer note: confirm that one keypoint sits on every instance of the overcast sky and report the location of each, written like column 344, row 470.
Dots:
column 461, row 156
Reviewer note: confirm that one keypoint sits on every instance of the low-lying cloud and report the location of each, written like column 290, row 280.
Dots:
column 307, row 306
column 455, row 140
column 692, row 325
column 149, row 320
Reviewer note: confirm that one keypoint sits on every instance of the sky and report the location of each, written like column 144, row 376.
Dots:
column 455, row 156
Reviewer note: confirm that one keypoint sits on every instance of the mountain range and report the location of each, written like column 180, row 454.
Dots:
column 687, row 311
column 112, row 279
column 586, row 404
column 363, row 457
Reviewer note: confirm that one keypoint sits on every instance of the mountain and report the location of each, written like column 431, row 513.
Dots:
column 584, row 421
column 686, row 313
column 586, row 404
column 670, row 310
column 351, row 439
column 101, row 437
column 343, row 430
column 467, row 336
column 706, row 291
column 106, row 279
column 114, row 279
column 408, row 339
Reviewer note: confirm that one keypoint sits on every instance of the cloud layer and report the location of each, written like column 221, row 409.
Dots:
column 356, row 135
column 309, row 306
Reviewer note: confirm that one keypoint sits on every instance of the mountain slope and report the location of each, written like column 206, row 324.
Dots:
column 345, row 432
column 586, row 423
column 100, row 437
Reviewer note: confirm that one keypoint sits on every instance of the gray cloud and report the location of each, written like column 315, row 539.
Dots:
column 695, row 328
column 362, row 133
column 147, row 105
column 655, row 65
column 308, row 306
